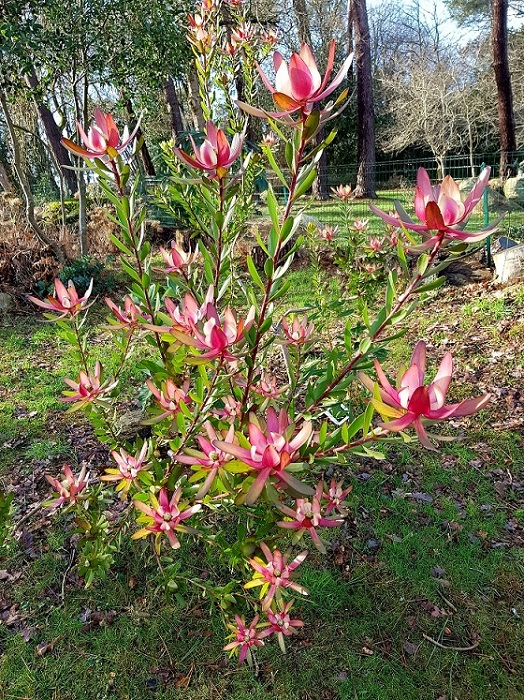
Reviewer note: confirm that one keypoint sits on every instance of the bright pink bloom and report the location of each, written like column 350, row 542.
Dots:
column 271, row 450
column 440, row 208
column 299, row 85
column 335, row 497
column 69, row 488
column 129, row 467
column 169, row 398
column 282, row 624
column 307, row 516
column 65, row 301
column 374, row 244
column 216, row 336
column 166, row 516
column 231, row 411
column 274, row 574
column 88, row 389
column 209, row 461
column 267, row 386
column 328, row 233
column 103, row 139
column 269, row 37
column 130, row 317
column 215, row 155
column 198, row 32
column 299, row 332
column 269, row 139
column 360, row 225
column 413, row 401
column 177, row 259
column 242, row 34
column 343, row 192
column 244, row 638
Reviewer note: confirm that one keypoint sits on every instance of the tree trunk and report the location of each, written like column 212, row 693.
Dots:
column 24, row 185
column 303, row 26
column 53, row 133
column 5, row 182
column 173, row 107
column 194, row 100
column 144, row 151
column 365, row 109
column 499, row 44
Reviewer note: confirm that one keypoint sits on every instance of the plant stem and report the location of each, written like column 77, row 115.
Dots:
column 270, row 279
column 400, row 303
column 140, row 269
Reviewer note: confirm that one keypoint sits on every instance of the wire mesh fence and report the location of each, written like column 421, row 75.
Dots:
column 395, row 180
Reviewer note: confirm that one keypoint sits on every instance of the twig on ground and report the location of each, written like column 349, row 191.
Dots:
column 450, row 648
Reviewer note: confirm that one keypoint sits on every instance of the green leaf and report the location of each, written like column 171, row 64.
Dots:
column 305, row 184
column 118, row 244
column 254, row 273
column 422, row 263
column 435, row 284
column 272, row 206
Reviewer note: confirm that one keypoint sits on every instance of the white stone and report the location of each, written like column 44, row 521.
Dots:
column 509, row 263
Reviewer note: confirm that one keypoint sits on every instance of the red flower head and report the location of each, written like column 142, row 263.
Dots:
column 102, row 140
column 245, row 638
column 271, row 451
column 65, row 301
column 274, row 575
column 165, row 516
column 69, row 488
column 298, row 85
column 307, row 516
column 215, row 155
column 413, row 401
column 441, row 209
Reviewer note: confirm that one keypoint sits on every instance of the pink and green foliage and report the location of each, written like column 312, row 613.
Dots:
column 229, row 442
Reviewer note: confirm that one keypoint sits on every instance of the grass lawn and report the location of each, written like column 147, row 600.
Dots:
column 421, row 596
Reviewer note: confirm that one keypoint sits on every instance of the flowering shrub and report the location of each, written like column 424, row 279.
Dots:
column 235, row 461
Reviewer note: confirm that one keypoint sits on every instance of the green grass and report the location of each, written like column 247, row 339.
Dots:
column 400, row 558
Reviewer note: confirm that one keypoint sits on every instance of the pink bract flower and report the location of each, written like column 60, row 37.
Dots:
column 267, row 386
column 231, row 411
column 69, row 488
column 169, row 398
column 130, row 317
column 129, row 467
column 440, row 208
column 245, row 638
column 242, row 34
column 269, row 139
column 207, row 463
column 88, row 389
column 274, row 574
column 374, row 244
column 282, row 624
column 65, row 301
column 307, row 516
column 216, row 336
column 272, row 449
column 299, row 332
column 328, row 233
column 360, row 225
column 269, row 37
column 343, row 192
column 177, row 259
column 298, row 85
column 165, row 516
column 335, row 497
column 412, row 401
column 102, row 140
column 215, row 155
